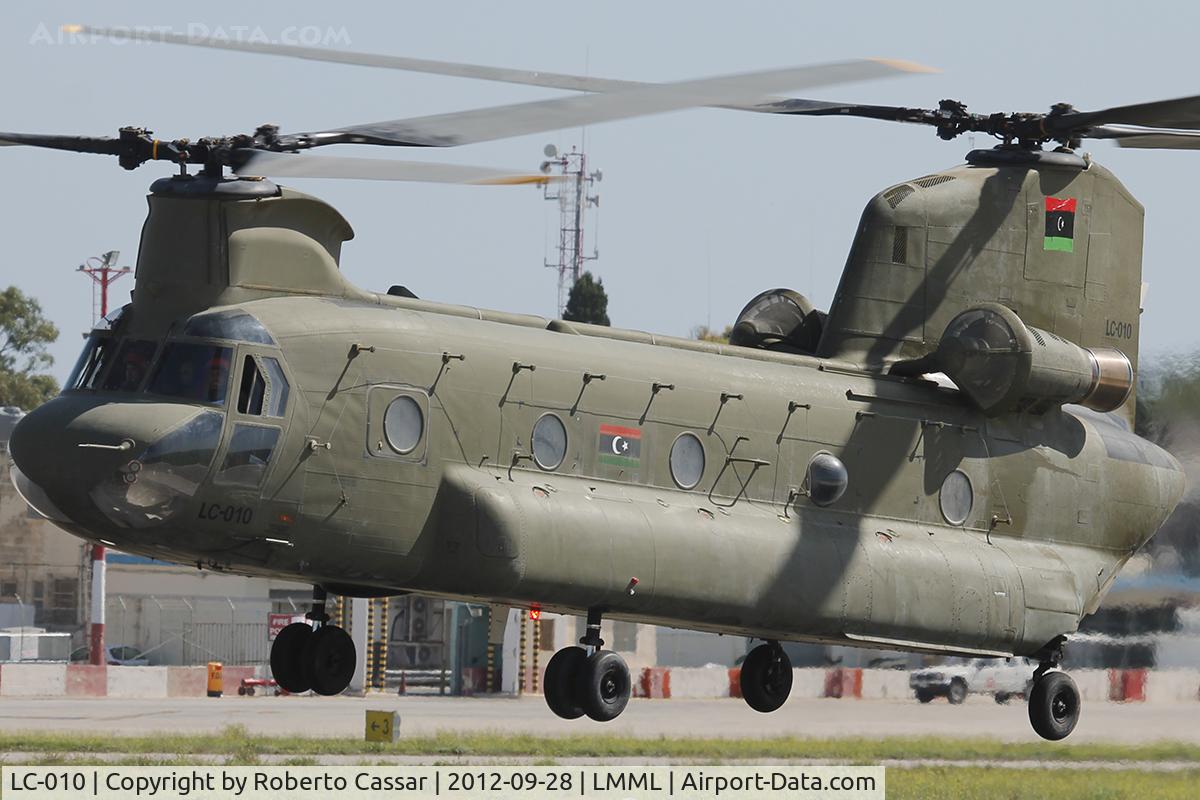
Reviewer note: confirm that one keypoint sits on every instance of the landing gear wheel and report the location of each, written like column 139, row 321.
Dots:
column 286, row 654
column 957, row 692
column 766, row 678
column 561, row 682
column 1054, row 706
column 604, row 685
column 328, row 660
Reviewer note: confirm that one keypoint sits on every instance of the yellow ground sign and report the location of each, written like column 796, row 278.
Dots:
column 382, row 726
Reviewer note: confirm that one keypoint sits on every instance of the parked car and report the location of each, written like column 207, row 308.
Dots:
column 119, row 655
column 1004, row 679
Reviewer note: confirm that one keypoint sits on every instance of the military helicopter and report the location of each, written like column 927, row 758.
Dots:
column 942, row 463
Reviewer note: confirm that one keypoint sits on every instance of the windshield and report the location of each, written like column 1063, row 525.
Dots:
column 91, row 363
column 130, row 366
column 194, row 372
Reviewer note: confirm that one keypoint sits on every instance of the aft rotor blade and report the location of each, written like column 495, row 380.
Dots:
column 1182, row 112
column 1148, row 138
column 281, row 165
column 500, row 122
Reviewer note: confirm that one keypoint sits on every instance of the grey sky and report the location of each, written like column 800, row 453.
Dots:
column 700, row 209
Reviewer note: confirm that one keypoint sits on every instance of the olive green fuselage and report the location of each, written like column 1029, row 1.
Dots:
column 1054, row 504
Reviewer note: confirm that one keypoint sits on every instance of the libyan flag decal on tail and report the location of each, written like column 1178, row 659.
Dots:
column 1060, row 224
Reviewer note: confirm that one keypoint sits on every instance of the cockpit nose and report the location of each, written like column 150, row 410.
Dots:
column 128, row 464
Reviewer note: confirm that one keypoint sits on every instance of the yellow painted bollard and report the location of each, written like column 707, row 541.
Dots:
column 216, row 683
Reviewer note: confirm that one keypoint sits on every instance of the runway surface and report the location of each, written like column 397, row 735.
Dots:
column 343, row 717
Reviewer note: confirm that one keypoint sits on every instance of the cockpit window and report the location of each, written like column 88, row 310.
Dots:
column 236, row 325
column 130, row 366
column 249, row 455
column 91, row 363
column 195, row 372
column 264, row 389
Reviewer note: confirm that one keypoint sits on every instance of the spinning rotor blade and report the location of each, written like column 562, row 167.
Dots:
column 1182, row 112
column 499, row 122
column 104, row 145
column 549, row 80
column 1148, row 138
column 280, row 165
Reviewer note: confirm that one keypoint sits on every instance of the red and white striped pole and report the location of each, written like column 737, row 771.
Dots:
column 103, row 271
column 96, row 651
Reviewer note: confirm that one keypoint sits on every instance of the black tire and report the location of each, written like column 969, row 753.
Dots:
column 329, row 660
column 1003, row 697
column 561, row 682
column 925, row 696
column 766, row 678
column 604, row 686
column 1054, row 705
column 957, row 692
column 286, row 653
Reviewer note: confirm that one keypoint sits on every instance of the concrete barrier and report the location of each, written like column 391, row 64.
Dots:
column 137, row 681
column 1173, row 686
column 885, row 684
column 186, row 681
column 33, row 680
column 844, row 682
column 1092, row 683
column 699, row 682
column 654, row 683
column 808, row 682
column 86, row 680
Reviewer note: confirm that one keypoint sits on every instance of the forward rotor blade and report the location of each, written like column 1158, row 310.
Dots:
column 550, row 80
column 104, row 145
column 1147, row 138
column 280, row 165
column 500, row 122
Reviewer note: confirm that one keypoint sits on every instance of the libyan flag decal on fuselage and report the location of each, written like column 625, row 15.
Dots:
column 1060, row 224
column 620, row 446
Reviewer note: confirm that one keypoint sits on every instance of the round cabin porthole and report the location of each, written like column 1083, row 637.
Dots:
column 956, row 497
column 687, row 461
column 827, row 479
column 403, row 424
column 549, row 442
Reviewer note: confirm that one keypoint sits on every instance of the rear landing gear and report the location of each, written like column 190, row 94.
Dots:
column 320, row 659
column 766, row 678
column 1054, row 701
column 588, row 681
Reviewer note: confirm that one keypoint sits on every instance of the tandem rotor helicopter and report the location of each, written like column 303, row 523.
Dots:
column 943, row 462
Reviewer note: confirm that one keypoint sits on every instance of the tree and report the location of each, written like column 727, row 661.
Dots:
column 587, row 302
column 24, row 335
column 705, row 334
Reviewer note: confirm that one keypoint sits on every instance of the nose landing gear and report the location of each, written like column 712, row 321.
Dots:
column 1054, row 700
column 595, row 683
column 320, row 659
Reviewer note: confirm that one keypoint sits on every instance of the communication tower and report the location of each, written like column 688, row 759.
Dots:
column 571, row 194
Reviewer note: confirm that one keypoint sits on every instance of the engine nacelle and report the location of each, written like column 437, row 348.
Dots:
column 1004, row 365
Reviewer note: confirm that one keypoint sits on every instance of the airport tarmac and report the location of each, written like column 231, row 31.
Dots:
column 1129, row 723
